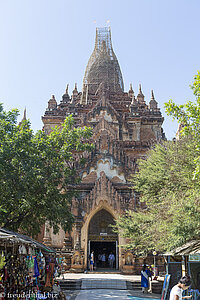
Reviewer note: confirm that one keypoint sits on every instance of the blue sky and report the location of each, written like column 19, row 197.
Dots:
column 46, row 44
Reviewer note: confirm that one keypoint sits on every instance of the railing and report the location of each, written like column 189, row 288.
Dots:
column 195, row 294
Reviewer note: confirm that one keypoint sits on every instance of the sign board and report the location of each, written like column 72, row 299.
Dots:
column 194, row 257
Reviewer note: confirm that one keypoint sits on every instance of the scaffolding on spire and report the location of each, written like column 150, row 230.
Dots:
column 103, row 65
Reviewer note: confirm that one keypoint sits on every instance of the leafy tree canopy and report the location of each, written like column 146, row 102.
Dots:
column 36, row 173
column 188, row 115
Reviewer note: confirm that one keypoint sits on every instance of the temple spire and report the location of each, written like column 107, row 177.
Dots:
column 24, row 117
column 84, row 96
column 103, row 58
column 67, row 87
column 140, row 89
column 75, row 88
column 65, row 97
column 140, row 95
column 131, row 92
column 153, row 105
column 52, row 103
column 152, row 95
column 74, row 93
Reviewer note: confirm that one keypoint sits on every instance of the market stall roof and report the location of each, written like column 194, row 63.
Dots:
column 190, row 248
column 6, row 234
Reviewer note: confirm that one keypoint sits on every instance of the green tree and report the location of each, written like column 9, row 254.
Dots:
column 170, row 197
column 188, row 115
column 37, row 173
column 169, row 187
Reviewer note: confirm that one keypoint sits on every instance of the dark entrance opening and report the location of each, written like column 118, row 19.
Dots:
column 100, row 248
column 102, row 240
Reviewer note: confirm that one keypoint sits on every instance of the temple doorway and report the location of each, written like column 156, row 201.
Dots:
column 102, row 240
column 102, row 250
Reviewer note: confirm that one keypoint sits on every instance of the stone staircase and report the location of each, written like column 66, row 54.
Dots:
column 136, row 286
column 116, row 284
column 87, row 284
column 70, row 284
column 157, row 287
column 105, row 271
column 133, row 285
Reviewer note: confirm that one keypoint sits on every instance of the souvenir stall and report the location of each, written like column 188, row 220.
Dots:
column 60, row 265
column 187, row 258
column 27, row 267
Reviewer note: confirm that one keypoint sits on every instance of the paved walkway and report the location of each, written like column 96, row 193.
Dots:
column 103, row 294
column 138, row 295
column 106, row 294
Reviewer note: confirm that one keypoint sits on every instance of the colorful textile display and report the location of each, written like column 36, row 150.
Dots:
column 2, row 260
column 36, row 269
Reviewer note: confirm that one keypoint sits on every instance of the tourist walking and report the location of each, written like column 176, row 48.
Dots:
column 145, row 275
column 177, row 290
column 92, row 261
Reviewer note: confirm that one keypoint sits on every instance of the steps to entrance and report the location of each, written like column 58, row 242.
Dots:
column 88, row 284
column 105, row 271
column 157, row 287
column 105, row 281
column 70, row 284
column 116, row 284
column 131, row 285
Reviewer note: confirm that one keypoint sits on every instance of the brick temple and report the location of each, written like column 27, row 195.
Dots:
column 124, row 128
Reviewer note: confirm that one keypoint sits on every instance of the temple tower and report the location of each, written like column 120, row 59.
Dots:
column 124, row 128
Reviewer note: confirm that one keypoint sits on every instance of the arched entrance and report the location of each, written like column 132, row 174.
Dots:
column 102, row 240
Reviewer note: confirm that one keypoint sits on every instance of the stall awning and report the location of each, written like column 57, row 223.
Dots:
column 189, row 248
column 4, row 235
column 9, row 235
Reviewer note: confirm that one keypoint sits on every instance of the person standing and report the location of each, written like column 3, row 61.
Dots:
column 92, row 261
column 145, row 274
column 103, row 259
column 177, row 290
column 150, row 279
column 111, row 259
column 99, row 260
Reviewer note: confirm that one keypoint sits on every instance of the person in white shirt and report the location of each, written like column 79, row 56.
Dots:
column 177, row 290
